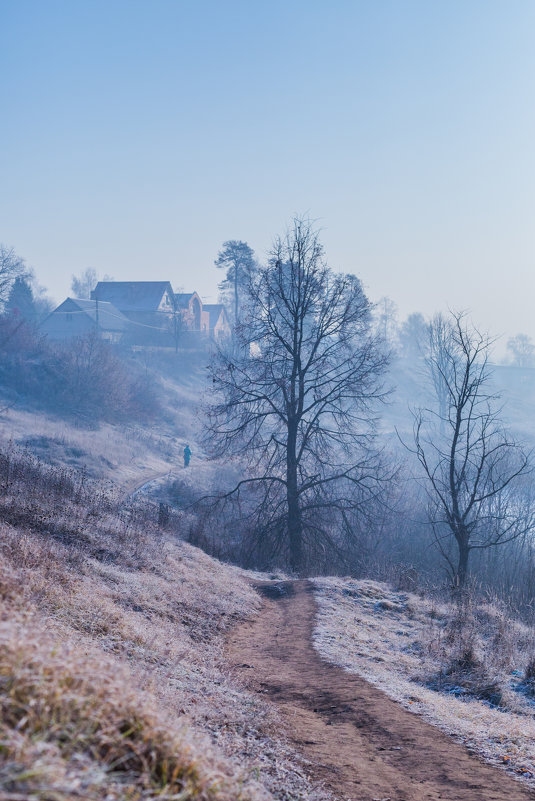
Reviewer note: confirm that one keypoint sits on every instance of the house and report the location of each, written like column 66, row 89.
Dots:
column 191, row 306
column 206, row 318
column 218, row 322
column 76, row 317
column 149, row 305
column 147, row 302
column 152, row 308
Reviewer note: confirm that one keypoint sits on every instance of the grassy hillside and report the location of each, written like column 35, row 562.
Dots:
column 113, row 679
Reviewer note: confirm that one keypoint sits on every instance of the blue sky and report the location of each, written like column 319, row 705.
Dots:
column 137, row 136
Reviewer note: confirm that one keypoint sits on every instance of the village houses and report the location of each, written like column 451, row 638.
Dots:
column 140, row 313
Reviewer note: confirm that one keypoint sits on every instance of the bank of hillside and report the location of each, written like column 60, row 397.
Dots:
column 468, row 667
column 113, row 683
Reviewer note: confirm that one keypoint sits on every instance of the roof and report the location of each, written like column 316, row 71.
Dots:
column 109, row 318
column 133, row 295
column 215, row 310
column 182, row 299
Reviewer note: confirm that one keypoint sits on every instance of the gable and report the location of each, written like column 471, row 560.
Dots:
column 109, row 318
column 167, row 301
column 184, row 300
column 218, row 315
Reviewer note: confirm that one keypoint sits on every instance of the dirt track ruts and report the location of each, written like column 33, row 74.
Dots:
column 361, row 744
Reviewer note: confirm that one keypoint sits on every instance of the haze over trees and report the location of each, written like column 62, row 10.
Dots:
column 522, row 350
column 297, row 399
column 413, row 336
column 473, row 470
column 386, row 321
column 320, row 482
column 21, row 300
column 83, row 284
column 12, row 267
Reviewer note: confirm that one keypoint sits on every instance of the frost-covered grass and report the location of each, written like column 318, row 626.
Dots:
column 113, row 681
column 127, row 455
column 462, row 667
column 122, row 454
column 73, row 725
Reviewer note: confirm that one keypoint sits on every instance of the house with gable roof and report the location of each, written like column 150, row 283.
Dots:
column 218, row 321
column 210, row 319
column 149, row 302
column 193, row 315
column 149, row 305
column 140, row 312
column 77, row 317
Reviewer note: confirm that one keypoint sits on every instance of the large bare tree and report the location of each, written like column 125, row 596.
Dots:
column 297, row 398
column 474, row 472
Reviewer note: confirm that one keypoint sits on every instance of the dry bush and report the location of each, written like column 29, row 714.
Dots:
column 478, row 647
column 82, row 378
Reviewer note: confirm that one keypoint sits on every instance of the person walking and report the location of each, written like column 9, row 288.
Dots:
column 187, row 455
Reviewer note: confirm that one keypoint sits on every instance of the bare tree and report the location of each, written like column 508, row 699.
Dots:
column 413, row 337
column 83, row 284
column 437, row 362
column 522, row 350
column 297, row 398
column 11, row 267
column 473, row 470
column 237, row 258
column 386, row 319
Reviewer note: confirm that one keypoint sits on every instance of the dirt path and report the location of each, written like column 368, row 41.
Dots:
column 136, row 487
column 362, row 745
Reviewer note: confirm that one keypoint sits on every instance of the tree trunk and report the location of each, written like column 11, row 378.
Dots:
column 295, row 524
column 235, row 295
column 295, row 533
column 462, row 565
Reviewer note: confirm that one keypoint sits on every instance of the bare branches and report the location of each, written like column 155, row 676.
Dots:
column 473, row 469
column 11, row 267
column 297, row 396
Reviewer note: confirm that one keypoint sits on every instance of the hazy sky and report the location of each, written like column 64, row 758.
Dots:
column 137, row 136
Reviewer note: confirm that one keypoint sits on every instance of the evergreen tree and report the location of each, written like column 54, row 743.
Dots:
column 21, row 301
column 237, row 258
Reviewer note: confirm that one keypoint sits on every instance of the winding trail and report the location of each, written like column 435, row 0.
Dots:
column 361, row 745
column 136, row 487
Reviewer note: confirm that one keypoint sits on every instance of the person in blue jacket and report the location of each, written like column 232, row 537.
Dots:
column 187, row 455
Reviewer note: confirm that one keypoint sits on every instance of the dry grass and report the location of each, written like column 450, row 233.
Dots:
column 72, row 725
column 464, row 668
column 123, row 454
column 113, row 683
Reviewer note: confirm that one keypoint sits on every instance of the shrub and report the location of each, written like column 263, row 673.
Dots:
column 81, row 378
